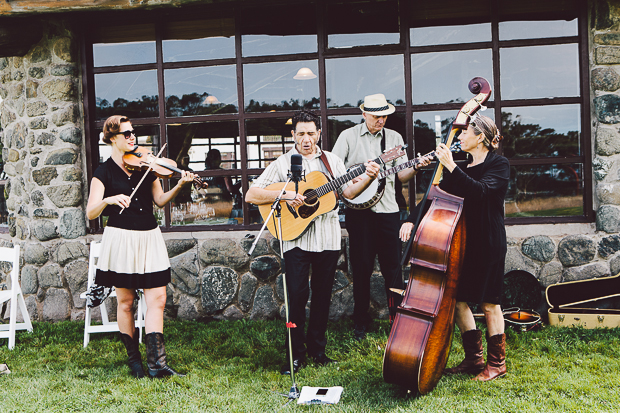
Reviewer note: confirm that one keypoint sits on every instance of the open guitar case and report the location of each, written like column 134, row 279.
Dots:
column 588, row 303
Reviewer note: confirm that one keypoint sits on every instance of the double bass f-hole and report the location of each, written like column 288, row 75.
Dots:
column 419, row 343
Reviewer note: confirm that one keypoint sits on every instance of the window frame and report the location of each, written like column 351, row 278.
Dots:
column 403, row 48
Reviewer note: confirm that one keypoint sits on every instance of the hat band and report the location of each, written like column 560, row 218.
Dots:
column 386, row 107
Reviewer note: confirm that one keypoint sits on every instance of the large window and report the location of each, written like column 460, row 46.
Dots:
column 219, row 91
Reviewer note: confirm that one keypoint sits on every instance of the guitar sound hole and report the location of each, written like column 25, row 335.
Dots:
column 311, row 200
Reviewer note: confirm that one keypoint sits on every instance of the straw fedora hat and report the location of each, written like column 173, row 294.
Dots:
column 377, row 105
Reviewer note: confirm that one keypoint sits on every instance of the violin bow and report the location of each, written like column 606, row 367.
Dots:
column 144, row 176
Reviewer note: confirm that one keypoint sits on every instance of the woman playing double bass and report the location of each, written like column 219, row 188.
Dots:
column 133, row 253
column 482, row 184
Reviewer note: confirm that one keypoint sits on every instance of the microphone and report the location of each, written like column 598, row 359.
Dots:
column 296, row 170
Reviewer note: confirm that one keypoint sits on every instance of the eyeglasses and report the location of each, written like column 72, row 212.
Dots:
column 128, row 133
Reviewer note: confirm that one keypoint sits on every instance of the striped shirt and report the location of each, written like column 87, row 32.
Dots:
column 324, row 232
column 357, row 145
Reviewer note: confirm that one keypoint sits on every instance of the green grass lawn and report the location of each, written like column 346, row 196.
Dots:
column 234, row 367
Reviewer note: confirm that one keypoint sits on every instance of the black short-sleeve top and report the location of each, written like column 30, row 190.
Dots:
column 139, row 215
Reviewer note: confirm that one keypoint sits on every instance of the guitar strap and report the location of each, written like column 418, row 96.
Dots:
column 323, row 158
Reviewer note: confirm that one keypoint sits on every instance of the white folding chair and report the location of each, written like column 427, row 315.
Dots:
column 106, row 325
column 15, row 298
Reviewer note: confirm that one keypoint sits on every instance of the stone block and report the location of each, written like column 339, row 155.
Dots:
column 62, row 49
column 71, row 134
column 340, row 281
column 342, row 304
column 72, row 224
column 222, row 251
column 607, row 55
column 576, row 250
column 608, row 246
column 539, row 248
column 63, row 196
column 608, row 219
column 64, row 156
column 45, row 138
column 32, row 89
column 29, row 280
column 232, row 313
column 219, row 287
column 265, row 306
column 36, row 72
column 56, row 305
column 605, row 79
column 608, row 193
column 76, row 274
column 37, row 198
column 45, row 175
column 265, row 267
column 35, row 254
column 16, row 137
column 607, row 141
column 59, row 90
column 50, row 276
column 377, row 290
column 63, row 70
column 38, row 123
column 246, row 290
column 72, row 174
column 607, row 108
column 36, row 108
column 179, row 246
column 39, row 54
column 31, row 306
column 189, row 308
column 551, row 273
column 184, row 272
column 261, row 246
column 67, row 115
column 601, row 168
column 515, row 260
column 45, row 213
column 614, row 264
column 69, row 251
column 586, row 272
column 44, row 230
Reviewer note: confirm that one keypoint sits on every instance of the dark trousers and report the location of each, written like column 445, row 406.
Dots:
column 373, row 234
column 297, row 266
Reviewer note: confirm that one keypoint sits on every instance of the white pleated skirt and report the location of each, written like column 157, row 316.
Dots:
column 133, row 259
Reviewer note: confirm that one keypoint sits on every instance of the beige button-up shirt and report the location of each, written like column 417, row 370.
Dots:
column 324, row 232
column 357, row 145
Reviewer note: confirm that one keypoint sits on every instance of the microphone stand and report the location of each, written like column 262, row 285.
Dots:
column 293, row 393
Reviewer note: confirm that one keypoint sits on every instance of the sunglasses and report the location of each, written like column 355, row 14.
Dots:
column 127, row 134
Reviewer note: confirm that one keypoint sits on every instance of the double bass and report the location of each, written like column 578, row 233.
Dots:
column 419, row 343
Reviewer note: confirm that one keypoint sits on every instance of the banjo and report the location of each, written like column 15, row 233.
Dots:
column 372, row 195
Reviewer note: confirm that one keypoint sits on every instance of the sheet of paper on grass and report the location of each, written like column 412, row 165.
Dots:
column 320, row 395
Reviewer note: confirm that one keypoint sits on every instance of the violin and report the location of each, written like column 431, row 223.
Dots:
column 141, row 159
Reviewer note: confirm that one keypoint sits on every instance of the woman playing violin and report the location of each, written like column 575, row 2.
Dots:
column 482, row 184
column 133, row 253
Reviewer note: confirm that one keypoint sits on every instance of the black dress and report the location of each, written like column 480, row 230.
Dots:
column 483, row 188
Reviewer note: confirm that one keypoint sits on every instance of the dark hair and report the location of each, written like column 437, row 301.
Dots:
column 112, row 126
column 212, row 155
column 306, row 116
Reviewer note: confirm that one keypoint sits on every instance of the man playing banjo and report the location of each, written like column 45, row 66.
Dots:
column 373, row 231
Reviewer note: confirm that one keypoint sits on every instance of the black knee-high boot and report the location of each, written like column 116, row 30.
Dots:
column 134, row 358
column 156, row 357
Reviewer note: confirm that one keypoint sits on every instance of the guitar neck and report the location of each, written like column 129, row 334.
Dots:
column 341, row 180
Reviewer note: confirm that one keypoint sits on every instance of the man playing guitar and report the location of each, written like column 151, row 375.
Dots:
column 318, row 247
column 373, row 231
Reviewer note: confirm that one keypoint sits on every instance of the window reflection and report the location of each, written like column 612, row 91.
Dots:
column 201, row 90
column 537, row 29
column 545, row 190
column 337, row 124
column 199, row 40
column 189, row 145
column 294, row 30
column 348, row 80
column 267, row 139
column 462, row 33
column 541, row 131
column 124, row 45
column 133, row 94
column 539, row 71
column 215, row 205
column 366, row 23
column 272, row 86
column 443, row 77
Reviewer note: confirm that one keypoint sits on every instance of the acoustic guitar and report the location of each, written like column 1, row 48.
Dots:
column 320, row 197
